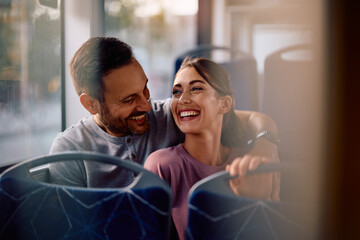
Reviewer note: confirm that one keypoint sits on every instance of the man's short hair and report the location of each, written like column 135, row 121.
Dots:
column 94, row 60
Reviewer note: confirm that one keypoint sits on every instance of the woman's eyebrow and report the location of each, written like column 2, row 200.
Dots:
column 196, row 81
column 191, row 83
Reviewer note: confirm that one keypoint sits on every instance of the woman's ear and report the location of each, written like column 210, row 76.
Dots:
column 226, row 103
column 91, row 104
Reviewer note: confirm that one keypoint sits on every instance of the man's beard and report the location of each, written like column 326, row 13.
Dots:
column 121, row 126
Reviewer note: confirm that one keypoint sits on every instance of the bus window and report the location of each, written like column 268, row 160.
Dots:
column 30, row 70
column 158, row 31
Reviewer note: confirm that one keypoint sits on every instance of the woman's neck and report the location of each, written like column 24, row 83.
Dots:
column 206, row 148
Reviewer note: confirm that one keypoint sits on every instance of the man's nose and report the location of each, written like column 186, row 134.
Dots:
column 143, row 104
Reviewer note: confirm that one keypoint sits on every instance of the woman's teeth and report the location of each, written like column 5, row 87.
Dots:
column 188, row 114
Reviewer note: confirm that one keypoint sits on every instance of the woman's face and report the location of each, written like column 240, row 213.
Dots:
column 195, row 105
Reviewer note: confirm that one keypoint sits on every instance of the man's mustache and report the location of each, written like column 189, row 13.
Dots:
column 135, row 114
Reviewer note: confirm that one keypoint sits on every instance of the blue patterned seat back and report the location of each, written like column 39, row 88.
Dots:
column 36, row 210
column 290, row 93
column 216, row 213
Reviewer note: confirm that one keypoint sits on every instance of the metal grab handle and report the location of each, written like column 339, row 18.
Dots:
column 218, row 182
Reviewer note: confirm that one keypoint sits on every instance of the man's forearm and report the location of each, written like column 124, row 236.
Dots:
column 256, row 122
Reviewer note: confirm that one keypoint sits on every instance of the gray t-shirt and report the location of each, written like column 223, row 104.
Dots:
column 87, row 136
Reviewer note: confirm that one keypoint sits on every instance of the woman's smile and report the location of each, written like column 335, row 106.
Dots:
column 186, row 115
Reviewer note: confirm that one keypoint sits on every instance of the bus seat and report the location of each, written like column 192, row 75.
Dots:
column 215, row 212
column 31, row 209
column 241, row 67
column 288, row 98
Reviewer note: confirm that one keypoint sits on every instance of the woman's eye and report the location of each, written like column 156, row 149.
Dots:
column 197, row 88
column 176, row 92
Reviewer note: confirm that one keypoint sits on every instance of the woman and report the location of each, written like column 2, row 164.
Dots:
column 202, row 106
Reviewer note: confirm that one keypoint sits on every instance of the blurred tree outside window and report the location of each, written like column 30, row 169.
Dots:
column 30, row 68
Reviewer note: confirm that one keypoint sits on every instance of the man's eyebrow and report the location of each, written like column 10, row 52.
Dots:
column 191, row 82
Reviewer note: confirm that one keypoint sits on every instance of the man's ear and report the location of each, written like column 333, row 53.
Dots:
column 91, row 104
column 226, row 103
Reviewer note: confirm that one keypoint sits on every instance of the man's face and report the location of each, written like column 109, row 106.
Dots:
column 126, row 96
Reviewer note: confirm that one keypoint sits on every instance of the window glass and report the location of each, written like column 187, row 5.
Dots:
column 158, row 31
column 30, row 68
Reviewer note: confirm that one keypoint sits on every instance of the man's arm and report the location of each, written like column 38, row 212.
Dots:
column 263, row 150
column 255, row 123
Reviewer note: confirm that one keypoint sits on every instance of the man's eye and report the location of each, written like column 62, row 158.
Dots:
column 128, row 100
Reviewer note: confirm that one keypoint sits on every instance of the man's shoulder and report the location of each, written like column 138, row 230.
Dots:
column 83, row 125
column 163, row 129
column 160, row 105
column 74, row 136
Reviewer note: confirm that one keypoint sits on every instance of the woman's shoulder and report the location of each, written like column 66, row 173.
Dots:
column 169, row 151
column 163, row 156
column 164, row 162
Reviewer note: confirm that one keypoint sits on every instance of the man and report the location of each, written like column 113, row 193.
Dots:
column 124, row 121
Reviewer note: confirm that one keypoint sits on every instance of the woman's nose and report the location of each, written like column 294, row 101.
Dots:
column 185, row 97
